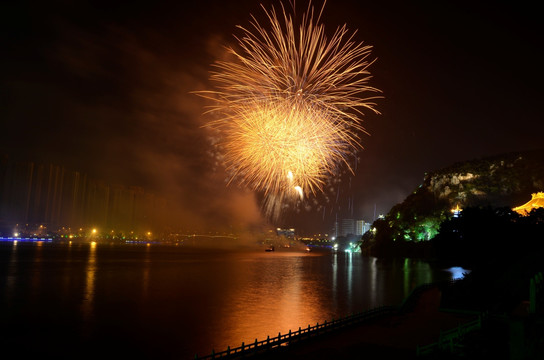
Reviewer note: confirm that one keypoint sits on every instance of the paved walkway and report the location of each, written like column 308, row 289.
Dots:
column 397, row 335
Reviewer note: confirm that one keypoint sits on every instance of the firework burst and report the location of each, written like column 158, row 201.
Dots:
column 289, row 105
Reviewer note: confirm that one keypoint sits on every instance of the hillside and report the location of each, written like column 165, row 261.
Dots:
column 502, row 181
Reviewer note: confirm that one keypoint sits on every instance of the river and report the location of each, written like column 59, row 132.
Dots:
column 136, row 301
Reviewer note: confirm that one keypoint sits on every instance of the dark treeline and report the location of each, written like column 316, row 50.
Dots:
column 479, row 236
column 489, row 236
column 502, row 251
column 501, row 248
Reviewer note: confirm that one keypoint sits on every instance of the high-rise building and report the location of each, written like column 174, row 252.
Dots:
column 347, row 227
column 289, row 233
column 361, row 227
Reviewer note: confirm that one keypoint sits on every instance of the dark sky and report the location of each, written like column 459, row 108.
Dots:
column 105, row 88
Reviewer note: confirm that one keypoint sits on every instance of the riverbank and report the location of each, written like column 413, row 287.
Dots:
column 396, row 336
column 423, row 328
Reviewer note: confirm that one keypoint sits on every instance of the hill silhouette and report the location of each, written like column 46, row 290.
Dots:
column 497, row 183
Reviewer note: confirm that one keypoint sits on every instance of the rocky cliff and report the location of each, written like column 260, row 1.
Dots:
column 506, row 180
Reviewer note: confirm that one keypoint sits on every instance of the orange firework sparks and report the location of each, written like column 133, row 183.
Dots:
column 290, row 104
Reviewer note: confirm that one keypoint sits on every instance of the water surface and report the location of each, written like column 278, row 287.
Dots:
column 83, row 301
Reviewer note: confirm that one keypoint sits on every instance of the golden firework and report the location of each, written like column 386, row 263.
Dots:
column 290, row 102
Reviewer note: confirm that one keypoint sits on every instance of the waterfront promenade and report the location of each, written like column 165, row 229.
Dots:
column 419, row 322
column 388, row 337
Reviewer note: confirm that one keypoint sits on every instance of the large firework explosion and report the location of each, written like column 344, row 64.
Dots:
column 289, row 105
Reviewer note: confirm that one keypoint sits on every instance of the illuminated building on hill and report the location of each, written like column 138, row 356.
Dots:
column 456, row 211
column 537, row 201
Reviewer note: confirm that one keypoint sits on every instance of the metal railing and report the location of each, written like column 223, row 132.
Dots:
column 259, row 347
column 449, row 339
column 452, row 339
column 270, row 344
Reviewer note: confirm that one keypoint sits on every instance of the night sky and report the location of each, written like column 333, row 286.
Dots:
column 106, row 88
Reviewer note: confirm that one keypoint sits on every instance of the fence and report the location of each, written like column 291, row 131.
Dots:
column 270, row 344
column 301, row 334
column 449, row 339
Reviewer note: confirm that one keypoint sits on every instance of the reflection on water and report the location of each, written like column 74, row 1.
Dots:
column 67, row 276
column 36, row 269
column 184, row 301
column 334, row 278
column 146, row 272
column 457, row 272
column 415, row 273
column 90, row 275
column 11, row 277
column 373, row 279
column 268, row 299
column 349, row 272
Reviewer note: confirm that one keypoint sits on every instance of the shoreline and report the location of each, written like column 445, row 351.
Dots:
column 433, row 322
column 418, row 321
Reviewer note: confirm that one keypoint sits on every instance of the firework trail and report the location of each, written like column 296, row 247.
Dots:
column 289, row 105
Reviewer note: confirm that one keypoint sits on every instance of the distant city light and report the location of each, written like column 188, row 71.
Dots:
column 16, row 239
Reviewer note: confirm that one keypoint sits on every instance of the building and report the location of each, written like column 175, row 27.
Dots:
column 456, row 211
column 347, row 227
column 361, row 227
column 288, row 233
column 537, row 201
